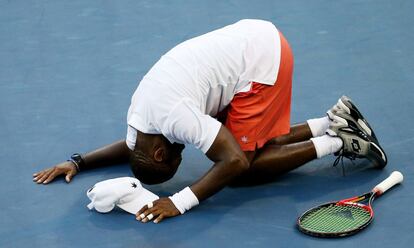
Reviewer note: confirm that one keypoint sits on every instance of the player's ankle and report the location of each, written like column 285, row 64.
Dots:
column 326, row 145
column 318, row 126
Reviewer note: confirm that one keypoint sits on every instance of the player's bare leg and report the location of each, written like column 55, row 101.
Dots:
column 298, row 133
column 288, row 152
column 280, row 155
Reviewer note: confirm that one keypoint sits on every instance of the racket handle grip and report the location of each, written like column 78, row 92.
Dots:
column 395, row 178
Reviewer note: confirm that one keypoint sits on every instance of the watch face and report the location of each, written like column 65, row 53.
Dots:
column 77, row 158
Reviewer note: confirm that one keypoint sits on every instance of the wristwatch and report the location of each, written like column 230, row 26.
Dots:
column 77, row 160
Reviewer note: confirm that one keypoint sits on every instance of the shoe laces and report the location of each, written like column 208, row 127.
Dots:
column 340, row 159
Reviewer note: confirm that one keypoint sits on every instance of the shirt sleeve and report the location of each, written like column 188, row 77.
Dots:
column 187, row 124
column 131, row 137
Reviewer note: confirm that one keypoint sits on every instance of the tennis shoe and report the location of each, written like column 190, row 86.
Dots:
column 356, row 142
column 347, row 106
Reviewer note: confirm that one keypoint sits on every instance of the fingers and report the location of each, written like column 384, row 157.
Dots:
column 151, row 215
column 141, row 211
column 144, row 212
column 162, row 208
column 159, row 218
column 51, row 176
column 46, row 176
column 42, row 176
column 37, row 176
column 69, row 176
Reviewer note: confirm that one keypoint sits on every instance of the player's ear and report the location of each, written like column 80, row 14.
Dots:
column 159, row 154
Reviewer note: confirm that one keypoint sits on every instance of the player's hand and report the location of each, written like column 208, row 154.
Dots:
column 162, row 208
column 67, row 169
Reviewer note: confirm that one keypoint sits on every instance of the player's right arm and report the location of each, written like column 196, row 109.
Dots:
column 115, row 153
column 229, row 162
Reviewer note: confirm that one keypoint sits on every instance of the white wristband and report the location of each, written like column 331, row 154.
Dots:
column 184, row 200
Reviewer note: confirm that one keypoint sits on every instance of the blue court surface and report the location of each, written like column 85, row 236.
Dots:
column 68, row 70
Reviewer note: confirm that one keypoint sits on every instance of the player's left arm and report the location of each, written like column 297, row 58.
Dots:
column 229, row 162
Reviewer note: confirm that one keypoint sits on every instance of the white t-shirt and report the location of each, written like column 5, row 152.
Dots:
column 198, row 78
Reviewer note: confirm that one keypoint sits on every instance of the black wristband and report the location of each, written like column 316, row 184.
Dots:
column 78, row 161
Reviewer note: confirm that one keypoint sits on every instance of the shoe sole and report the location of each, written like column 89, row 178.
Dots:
column 379, row 156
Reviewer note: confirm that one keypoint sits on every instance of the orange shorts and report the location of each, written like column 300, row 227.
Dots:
column 256, row 116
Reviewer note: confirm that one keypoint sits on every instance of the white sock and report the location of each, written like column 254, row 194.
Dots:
column 325, row 145
column 318, row 126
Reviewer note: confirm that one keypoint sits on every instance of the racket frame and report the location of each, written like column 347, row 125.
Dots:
column 393, row 179
column 353, row 201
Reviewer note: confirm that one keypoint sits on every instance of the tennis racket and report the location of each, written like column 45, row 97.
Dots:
column 345, row 217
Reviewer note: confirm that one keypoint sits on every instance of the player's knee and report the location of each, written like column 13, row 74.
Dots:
column 240, row 163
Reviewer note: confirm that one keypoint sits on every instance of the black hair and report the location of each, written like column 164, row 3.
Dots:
column 149, row 171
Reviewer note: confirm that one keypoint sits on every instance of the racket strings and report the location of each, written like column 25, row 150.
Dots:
column 335, row 219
